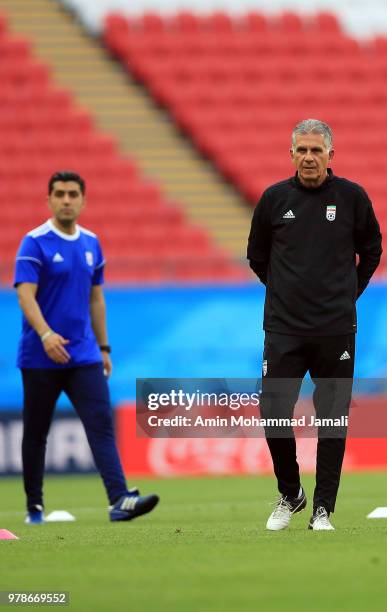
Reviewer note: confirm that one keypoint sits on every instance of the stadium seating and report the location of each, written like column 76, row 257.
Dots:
column 357, row 17
column 146, row 238
column 238, row 86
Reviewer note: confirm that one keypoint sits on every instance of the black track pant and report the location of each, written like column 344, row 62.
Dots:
column 289, row 358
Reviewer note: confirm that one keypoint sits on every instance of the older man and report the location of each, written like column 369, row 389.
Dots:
column 305, row 234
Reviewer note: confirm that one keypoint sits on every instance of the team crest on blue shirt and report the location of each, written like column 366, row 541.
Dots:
column 89, row 258
column 331, row 213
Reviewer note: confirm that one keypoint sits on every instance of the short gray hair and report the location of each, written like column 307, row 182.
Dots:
column 314, row 126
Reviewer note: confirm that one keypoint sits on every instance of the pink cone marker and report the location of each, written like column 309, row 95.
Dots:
column 7, row 535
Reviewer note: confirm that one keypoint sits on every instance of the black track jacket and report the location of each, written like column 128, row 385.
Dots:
column 303, row 244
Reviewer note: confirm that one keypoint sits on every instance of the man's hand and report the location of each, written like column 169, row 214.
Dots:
column 107, row 363
column 54, row 347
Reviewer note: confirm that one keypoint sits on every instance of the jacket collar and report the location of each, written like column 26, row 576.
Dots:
column 323, row 185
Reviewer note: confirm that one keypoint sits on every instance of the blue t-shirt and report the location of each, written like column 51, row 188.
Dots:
column 64, row 267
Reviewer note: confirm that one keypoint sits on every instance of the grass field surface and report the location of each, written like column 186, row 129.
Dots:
column 203, row 548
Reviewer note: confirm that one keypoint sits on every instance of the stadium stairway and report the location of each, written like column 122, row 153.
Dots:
column 124, row 109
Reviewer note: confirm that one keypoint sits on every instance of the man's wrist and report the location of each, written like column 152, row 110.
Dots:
column 105, row 348
column 46, row 335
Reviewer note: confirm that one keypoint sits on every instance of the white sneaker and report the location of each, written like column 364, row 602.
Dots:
column 284, row 510
column 320, row 520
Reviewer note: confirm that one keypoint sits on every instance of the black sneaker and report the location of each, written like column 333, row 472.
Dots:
column 284, row 510
column 132, row 505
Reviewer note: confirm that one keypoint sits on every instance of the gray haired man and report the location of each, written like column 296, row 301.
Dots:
column 305, row 234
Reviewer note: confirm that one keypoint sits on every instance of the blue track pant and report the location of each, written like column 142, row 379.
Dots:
column 87, row 389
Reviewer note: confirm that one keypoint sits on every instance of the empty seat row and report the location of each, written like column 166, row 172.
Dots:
column 253, row 94
column 42, row 130
column 216, row 68
column 238, row 92
column 187, row 21
column 242, row 44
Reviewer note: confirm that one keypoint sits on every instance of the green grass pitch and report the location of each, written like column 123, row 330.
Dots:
column 203, row 548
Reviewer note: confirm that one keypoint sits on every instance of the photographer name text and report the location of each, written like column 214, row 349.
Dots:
column 243, row 421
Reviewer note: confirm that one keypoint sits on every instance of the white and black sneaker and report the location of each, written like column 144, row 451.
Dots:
column 320, row 520
column 284, row 510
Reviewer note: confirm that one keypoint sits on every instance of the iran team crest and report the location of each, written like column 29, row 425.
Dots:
column 331, row 213
column 89, row 257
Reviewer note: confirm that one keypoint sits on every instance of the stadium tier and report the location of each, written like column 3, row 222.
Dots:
column 237, row 86
column 146, row 237
column 358, row 18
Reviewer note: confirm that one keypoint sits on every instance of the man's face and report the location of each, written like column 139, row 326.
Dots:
column 66, row 202
column 311, row 158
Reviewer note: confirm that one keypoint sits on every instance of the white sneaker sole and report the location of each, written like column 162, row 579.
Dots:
column 321, row 528
column 273, row 528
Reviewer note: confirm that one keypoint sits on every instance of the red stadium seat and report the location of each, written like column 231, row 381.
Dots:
column 255, row 22
column 151, row 22
column 218, row 22
column 327, row 22
column 289, row 22
column 42, row 130
column 238, row 87
column 186, row 22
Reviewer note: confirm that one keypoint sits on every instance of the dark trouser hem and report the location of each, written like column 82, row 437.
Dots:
column 286, row 469
column 330, row 455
